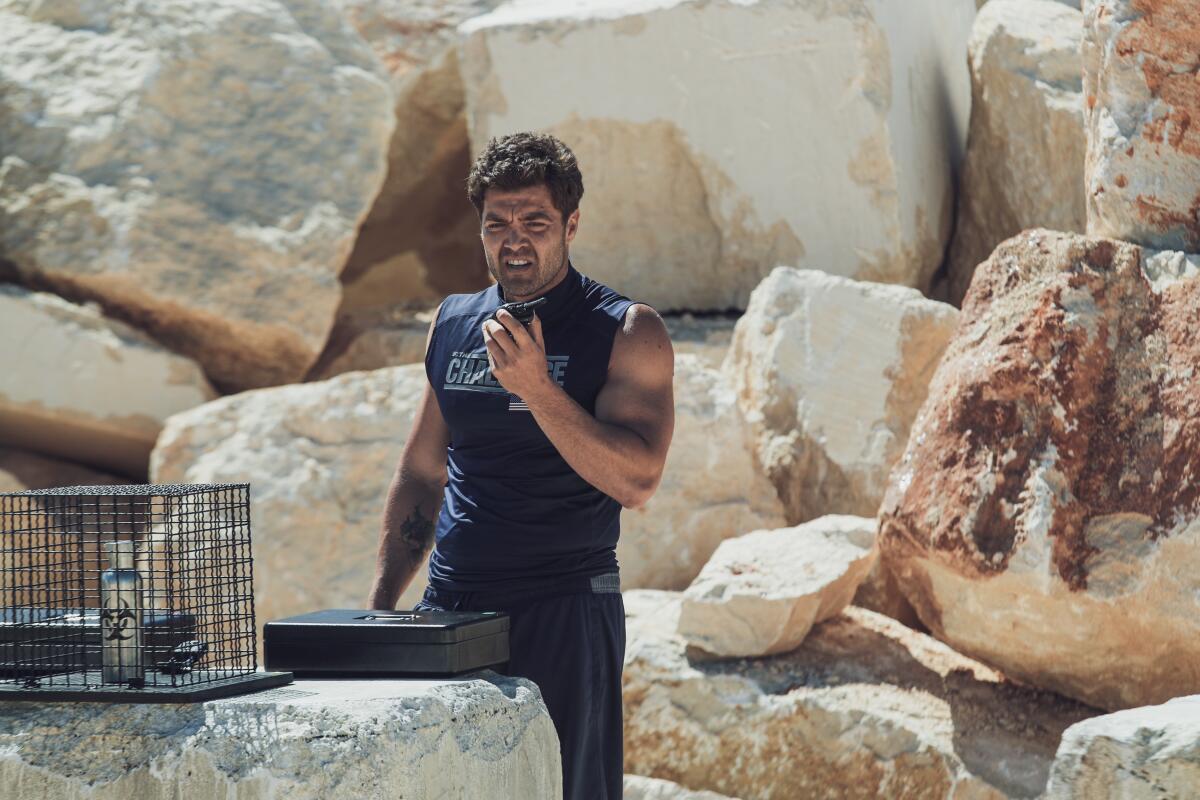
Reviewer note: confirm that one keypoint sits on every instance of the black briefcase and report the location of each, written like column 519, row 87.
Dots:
column 357, row 643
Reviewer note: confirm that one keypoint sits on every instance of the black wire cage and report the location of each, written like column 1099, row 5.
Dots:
column 128, row 593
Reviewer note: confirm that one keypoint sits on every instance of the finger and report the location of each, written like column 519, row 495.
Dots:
column 535, row 330
column 514, row 327
column 509, row 322
column 494, row 332
column 497, row 358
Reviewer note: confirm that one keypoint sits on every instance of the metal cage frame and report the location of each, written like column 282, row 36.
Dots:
column 176, row 623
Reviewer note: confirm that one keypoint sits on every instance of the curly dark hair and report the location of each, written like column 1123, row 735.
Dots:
column 527, row 159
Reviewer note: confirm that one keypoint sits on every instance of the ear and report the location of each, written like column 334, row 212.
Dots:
column 572, row 225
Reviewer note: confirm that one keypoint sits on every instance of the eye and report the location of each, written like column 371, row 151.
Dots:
column 537, row 226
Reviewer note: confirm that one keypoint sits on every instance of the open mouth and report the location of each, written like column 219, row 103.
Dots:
column 518, row 263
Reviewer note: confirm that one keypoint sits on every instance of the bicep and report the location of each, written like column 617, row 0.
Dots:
column 638, row 393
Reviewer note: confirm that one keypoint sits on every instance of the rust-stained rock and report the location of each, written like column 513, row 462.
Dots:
column 1141, row 59
column 864, row 708
column 1045, row 516
column 881, row 592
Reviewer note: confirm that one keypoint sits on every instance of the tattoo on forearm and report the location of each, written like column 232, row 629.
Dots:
column 417, row 532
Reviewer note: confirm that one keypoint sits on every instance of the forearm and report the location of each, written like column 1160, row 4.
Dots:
column 405, row 539
column 614, row 459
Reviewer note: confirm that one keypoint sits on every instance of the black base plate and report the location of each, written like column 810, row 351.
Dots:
column 224, row 687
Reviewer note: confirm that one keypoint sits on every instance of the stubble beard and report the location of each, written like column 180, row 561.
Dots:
column 530, row 288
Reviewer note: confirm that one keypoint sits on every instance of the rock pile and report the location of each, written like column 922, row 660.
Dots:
column 865, row 708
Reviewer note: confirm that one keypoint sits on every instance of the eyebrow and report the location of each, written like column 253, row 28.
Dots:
column 492, row 216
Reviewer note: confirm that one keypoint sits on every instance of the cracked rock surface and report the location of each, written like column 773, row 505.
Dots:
column 1144, row 753
column 312, row 740
column 1026, row 143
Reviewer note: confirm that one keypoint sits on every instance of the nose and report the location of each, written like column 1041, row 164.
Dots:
column 513, row 239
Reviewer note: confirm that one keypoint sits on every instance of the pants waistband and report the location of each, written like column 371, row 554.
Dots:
column 607, row 583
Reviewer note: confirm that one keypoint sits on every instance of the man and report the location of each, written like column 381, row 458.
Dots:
column 527, row 444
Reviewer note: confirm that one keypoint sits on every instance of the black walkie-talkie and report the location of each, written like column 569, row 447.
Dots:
column 522, row 311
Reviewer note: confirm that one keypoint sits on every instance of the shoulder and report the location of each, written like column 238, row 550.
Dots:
column 461, row 305
column 642, row 341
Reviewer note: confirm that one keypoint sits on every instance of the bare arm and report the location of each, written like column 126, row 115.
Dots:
column 412, row 505
column 622, row 449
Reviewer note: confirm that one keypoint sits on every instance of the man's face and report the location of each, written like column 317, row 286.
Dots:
column 525, row 240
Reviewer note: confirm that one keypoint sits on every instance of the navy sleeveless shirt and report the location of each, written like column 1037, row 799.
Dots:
column 515, row 516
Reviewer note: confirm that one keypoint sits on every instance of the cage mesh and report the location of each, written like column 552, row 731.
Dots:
column 190, row 618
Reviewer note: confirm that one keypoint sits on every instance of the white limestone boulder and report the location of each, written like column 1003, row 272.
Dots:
column 312, row 740
column 199, row 168
column 1140, row 61
column 638, row 787
column 81, row 387
column 698, row 124
column 1142, row 753
column 319, row 458
column 1026, row 143
column 420, row 240
column 761, row 593
column 864, row 708
column 710, row 489
column 830, row 374
column 373, row 340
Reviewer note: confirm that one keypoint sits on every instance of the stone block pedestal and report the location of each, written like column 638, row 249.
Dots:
column 488, row 736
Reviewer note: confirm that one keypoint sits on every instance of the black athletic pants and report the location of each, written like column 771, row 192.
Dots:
column 572, row 645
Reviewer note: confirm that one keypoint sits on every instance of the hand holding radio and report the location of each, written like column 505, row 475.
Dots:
column 516, row 349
